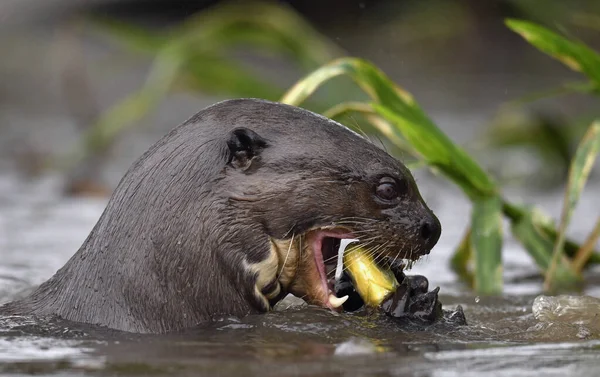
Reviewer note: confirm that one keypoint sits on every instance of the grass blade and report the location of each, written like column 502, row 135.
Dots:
column 136, row 106
column 486, row 241
column 545, row 225
column 528, row 228
column 461, row 259
column 206, row 72
column 587, row 249
column 260, row 24
column 581, row 166
column 194, row 57
column 575, row 55
column 131, row 36
column 374, row 120
column 407, row 118
column 562, row 90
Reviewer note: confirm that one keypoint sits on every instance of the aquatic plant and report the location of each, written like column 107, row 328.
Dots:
column 396, row 115
column 193, row 57
column 196, row 56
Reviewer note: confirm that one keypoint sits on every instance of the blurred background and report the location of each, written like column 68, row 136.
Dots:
column 66, row 62
column 86, row 86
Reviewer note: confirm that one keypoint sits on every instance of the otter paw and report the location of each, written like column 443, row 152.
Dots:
column 411, row 300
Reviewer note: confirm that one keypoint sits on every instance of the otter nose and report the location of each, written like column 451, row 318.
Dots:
column 431, row 229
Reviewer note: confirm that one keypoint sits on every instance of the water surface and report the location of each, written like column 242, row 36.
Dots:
column 40, row 230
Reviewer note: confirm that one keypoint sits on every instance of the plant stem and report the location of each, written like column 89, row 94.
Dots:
column 513, row 212
column 587, row 249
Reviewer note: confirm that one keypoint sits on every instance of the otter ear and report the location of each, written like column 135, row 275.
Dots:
column 244, row 144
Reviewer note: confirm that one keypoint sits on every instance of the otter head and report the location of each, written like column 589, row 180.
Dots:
column 303, row 182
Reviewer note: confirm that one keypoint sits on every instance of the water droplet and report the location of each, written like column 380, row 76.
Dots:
column 477, row 299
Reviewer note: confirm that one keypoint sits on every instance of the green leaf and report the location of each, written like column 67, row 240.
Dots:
column 213, row 74
column 486, row 242
column 581, row 166
column 133, row 108
column 271, row 27
column 264, row 26
column 373, row 119
column 131, row 36
column 461, row 259
column 405, row 120
column 575, row 55
column 528, row 228
column 195, row 57
column 561, row 90
column 586, row 252
column 515, row 213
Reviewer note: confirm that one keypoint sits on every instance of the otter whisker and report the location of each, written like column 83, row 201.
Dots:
column 352, row 222
column 378, row 255
column 381, row 142
column 375, row 253
column 368, row 240
column 371, row 253
column 290, row 231
column 360, row 130
column 301, row 250
column 286, row 257
column 399, row 252
column 365, row 219
column 395, row 258
column 363, row 246
column 350, row 250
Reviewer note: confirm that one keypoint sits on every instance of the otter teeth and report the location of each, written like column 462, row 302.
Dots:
column 336, row 302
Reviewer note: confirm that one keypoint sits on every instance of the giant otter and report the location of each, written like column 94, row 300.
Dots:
column 230, row 211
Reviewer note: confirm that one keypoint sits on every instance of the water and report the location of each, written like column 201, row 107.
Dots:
column 40, row 230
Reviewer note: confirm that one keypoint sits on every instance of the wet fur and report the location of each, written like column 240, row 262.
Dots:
column 175, row 242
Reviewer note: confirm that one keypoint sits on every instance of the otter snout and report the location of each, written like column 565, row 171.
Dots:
column 430, row 231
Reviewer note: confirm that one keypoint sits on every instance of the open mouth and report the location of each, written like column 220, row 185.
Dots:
column 314, row 277
column 325, row 244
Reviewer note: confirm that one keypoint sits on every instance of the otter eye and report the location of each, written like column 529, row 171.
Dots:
column 387, row 189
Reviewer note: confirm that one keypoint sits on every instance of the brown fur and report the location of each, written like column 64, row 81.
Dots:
column 183, row 233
